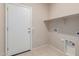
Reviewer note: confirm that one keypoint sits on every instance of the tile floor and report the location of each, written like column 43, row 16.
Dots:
column 43, row 51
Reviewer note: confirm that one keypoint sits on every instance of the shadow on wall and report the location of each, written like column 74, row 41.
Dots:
column 68, row 25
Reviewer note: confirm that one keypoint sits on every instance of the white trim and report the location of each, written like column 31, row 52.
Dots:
column 20, row 4
column 31, row 28
column 6, row 21
column 5, row 29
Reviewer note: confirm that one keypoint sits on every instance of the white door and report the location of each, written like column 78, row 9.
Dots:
column 18, row 29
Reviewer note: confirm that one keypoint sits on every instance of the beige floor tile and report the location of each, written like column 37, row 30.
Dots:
column 43, row 51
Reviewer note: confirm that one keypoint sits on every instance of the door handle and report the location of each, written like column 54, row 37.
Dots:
column 29, row 28
column 29, row 31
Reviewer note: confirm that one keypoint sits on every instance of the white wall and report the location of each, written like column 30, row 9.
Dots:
column 1, row 29
column 63, row 9
column 40, row 36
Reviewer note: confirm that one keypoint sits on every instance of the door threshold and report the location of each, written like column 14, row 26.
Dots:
column 21, row 53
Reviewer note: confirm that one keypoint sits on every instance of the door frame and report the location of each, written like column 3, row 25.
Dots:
column 6, row 26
